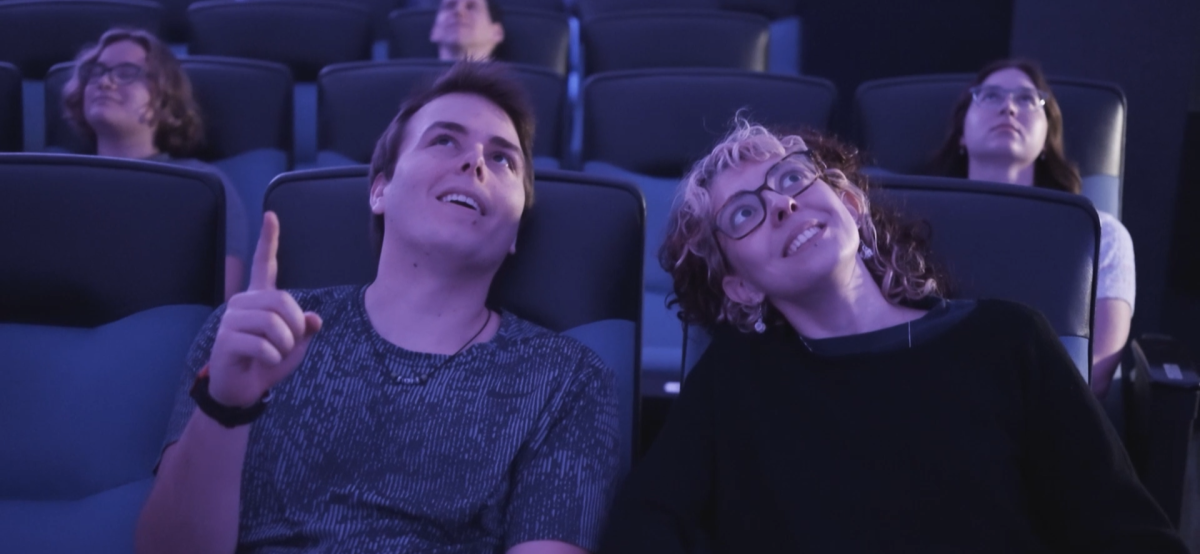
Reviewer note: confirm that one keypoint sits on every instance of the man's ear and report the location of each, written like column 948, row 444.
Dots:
column 377, row 187
column 498, row 32
column 741, row 291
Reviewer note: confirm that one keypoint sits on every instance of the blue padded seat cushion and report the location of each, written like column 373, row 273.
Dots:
column 84, row 411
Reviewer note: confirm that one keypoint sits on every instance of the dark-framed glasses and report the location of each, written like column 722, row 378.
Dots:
column 743, row 212
column 991, row 96
column 122, row 73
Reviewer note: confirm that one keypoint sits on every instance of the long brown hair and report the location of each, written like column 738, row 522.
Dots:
column 1051, row 170
column 900, row 264
column 179, row 128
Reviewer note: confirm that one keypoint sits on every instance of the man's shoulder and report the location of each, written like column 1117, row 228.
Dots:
column 519, row 334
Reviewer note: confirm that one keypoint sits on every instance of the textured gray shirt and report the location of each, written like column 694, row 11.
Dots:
column 513, row 440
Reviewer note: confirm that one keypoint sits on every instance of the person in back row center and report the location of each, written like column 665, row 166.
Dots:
column 467, row 30
column 129, row 97
column 404, row 415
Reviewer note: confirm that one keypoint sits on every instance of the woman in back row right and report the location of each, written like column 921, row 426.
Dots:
column 1007, row 128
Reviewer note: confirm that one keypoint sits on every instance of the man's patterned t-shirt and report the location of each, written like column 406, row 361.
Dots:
column 515, row 439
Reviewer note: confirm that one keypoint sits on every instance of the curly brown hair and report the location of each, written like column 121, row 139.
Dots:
column 1052, row 170
column 900, row 265
column 179, row 128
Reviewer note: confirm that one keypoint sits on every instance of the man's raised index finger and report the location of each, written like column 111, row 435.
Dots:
column 264, row 267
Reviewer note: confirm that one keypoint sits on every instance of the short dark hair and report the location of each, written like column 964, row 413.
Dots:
column 1051, row 171
column 488, row 80
column 178, row 126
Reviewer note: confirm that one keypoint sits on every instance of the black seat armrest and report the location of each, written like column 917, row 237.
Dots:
column 1163, row 392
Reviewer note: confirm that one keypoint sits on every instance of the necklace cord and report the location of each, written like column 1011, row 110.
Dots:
column 421, row 380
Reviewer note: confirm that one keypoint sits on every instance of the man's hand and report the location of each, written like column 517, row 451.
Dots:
column 263, row 334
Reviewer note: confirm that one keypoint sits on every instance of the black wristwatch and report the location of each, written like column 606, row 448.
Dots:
column 228, row 416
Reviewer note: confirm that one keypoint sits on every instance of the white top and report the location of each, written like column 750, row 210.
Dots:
column 1117, row 275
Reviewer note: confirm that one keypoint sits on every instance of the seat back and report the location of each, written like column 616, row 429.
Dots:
column 903, row 121
column 12, row 119
column 36, row 34
column 675, row 38
column 649, row 126
column 592, row 8
column 531, row 37
column 175, row 24
column 305, row 35
column 356, row 102
column 595, row 298
column 1048, row 261
column 109, row 269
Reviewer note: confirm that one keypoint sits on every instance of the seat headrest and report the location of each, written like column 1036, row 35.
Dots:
column 659, row 122
column 94, row 239
column 579, row 251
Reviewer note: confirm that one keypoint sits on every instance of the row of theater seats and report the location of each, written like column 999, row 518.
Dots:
column 99, row 310
column 308, row 35
column 643, row 125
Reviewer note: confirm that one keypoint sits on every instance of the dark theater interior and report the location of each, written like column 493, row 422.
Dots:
column 212, row 339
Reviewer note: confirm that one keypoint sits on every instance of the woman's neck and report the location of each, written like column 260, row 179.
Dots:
column 850, row 307
column 1012, row 173
column 136, row 147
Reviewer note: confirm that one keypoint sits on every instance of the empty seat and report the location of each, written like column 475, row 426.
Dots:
column 595, row 298
column 36, row 34
column 96, row 318
column 305, row 35
column 649, row 126
column 531, row 37
column 675, row 38
column 903, row 121
column 356, row 101
column 247, row 110
column 12, row 120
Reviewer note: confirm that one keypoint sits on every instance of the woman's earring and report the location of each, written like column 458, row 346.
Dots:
column 865, row 251
column 759, row 326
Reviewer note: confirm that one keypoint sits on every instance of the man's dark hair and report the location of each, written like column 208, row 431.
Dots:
column 488, row 80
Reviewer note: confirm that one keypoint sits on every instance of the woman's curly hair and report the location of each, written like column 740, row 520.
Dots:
column 179, row 128
column 900, row 264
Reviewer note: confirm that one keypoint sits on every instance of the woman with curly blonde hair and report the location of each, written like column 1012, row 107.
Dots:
column 129, row 97
column 843, row 405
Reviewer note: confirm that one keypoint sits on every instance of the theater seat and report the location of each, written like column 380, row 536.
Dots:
column 903, row 121
column 12, row 119
column 531, row 37
column 305, row 35
column 591, row 8
column 247, row 110
column 674, row 38
column 1042, row 263
column 356, row 102
column 97, row 315
column 36, row 34
column 595, row 297
column 649, row 126
column 175, row 24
